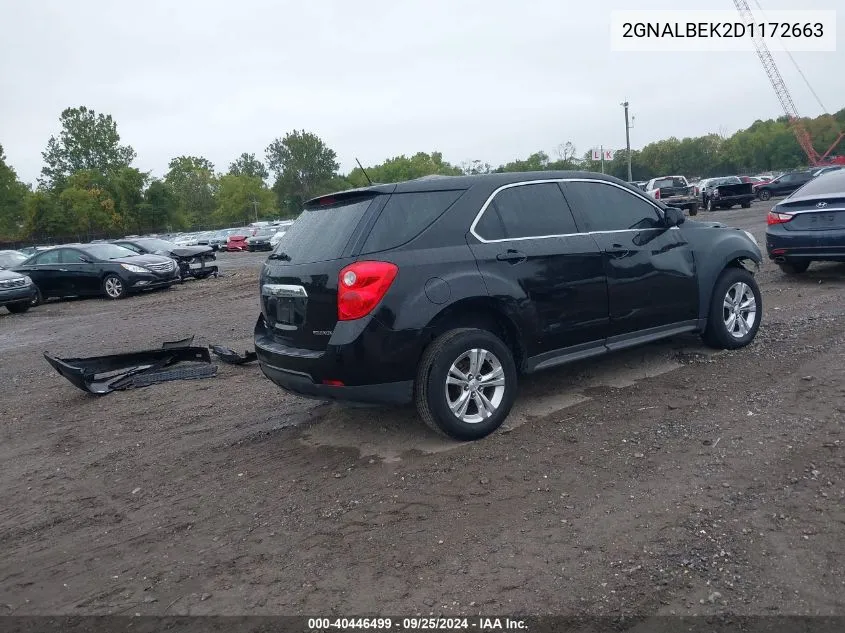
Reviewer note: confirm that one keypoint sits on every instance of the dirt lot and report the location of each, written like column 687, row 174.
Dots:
column 665, row 480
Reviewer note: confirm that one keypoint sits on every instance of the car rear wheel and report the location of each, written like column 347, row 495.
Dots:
column 693, row 210
column 764, row 195
column 735, row 310
column 18, row 308
column 794, row 267
column 466, row 384
column 113, row 287
column 38, row 299
column 709, row 205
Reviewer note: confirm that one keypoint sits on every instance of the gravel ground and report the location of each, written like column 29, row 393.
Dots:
column 668, row 479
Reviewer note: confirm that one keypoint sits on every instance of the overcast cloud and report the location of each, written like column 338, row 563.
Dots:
column 475, row 79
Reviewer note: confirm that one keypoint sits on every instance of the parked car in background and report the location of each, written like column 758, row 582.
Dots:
column 17, row 292
column 97, row 269
column 260, row 239
column 640, row 184
column 187, row 239
column 10, row 259
column 236, row 241
column 724, row 193
column 442, row 292
column 193, row 261
column 277, row 236
column 674, row 191
column 204, row 238
column 809, row 225
column 782, row 185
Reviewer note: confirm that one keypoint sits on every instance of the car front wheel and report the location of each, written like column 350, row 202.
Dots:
column 735, row 310
column 113, row 287
column 466, row 384
column 18, row 308
column 764, row 195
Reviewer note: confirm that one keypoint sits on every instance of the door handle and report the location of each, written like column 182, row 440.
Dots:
column 512, row 256
column 62, row 270
column 618, row 251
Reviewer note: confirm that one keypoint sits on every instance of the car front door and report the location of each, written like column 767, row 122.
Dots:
column 532, row 256
column 651, row 280
column 783, row 185
column 79, row 272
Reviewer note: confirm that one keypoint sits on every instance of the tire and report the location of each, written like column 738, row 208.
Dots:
column 746, row 205
column 709, row 205
column 794, row 267
column 114, row 287
column 693, row 210
column 735, row 288
column 18, row 308
column 38, row 299
column 432, row 393
column 764, row 195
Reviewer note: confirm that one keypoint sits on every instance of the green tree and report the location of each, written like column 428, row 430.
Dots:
column 13, row 195
column 88, row 206
column 403, row 167
column 44, row 218
column 538, row 161
column 87, row 141
column 127, row 186
column 248, row 165
column 192, row 180
column 160, row 209
column 243, row 199
column 303, row 165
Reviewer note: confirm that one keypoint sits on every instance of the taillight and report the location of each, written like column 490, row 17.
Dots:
column 778, row 218
column 657, row 194
column 360, row 286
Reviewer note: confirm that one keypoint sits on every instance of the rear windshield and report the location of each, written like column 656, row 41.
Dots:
column 405, row 216
column 321, row 233
column 669, row 182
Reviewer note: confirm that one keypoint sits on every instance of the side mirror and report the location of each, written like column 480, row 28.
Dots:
column 673, row 216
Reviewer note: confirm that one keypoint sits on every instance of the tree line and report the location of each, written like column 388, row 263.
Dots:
column 88, row 187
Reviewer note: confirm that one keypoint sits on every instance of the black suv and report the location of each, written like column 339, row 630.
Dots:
column 443, row 290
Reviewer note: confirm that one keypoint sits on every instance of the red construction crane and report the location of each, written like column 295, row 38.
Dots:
column 795, row 122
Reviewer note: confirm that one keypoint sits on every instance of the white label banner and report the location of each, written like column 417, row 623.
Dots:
column 698, row 31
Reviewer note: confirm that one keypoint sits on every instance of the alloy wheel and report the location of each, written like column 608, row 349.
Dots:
column 475, row 386
column 114, row 287
column 739, row 309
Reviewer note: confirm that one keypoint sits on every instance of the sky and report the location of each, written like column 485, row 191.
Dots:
column 492, row 80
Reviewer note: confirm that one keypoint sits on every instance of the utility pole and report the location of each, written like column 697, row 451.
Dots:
column 255, row 207
column 601, row 150
column 627, row 139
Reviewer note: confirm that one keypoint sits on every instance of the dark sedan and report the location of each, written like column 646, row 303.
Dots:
column 97, row 269
column 809, row 225
column 17, row 292
column 783, row 185
column 194, row 261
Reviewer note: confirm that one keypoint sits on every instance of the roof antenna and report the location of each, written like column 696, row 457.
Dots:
column 364, row 171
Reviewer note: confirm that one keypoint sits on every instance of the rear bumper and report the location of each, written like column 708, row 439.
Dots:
column 828, row 245
column 680, row 202
column 23, row 294
column 364, row 361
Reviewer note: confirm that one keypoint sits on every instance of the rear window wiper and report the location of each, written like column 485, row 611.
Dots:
column 283, row 256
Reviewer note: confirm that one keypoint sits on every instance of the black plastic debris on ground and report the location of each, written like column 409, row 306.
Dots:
column 99, row 375
column 231, row 357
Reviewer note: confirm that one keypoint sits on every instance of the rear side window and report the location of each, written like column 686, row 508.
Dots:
column 405, row 216
column 605, row 207
column 526, row 211
column 50, row 257
column 669, row 182
column 831, row 183
column 321, row 233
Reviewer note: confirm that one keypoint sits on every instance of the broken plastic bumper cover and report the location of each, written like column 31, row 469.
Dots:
column 102, row 374
column 231, row 357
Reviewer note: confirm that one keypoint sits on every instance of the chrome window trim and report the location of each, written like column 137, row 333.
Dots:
column 521, row 183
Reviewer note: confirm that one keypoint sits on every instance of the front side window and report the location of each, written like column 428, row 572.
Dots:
column 605, row 207
column 524, row 211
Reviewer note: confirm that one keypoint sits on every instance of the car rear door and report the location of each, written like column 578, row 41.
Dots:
column 532, row 255
column 44, row 272
column 650, row 269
